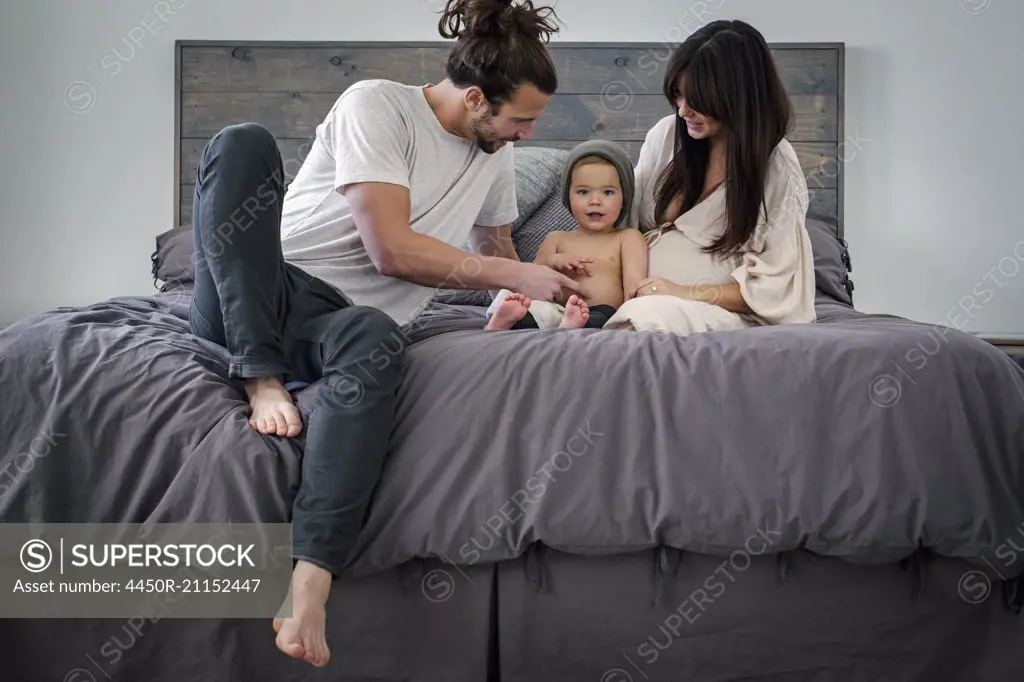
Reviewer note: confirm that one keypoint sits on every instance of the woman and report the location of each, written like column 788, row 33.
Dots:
column 720, row 195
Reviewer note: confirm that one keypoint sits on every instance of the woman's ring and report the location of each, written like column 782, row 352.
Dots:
column 654, row 288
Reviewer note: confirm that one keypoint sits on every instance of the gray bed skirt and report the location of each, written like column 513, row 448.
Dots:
column 646, row 616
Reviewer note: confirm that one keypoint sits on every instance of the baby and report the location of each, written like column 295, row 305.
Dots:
column 605, row 257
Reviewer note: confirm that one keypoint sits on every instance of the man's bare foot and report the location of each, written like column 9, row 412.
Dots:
column 576, row 313
column 303, row 635
column 509, row 311
column 273, row 411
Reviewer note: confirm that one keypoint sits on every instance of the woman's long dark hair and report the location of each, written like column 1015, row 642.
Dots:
column 499, row 46
column 729, row 75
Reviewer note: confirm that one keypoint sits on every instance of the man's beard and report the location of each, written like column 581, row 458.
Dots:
column 484, row 132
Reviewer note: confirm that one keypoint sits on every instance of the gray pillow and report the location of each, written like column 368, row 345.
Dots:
column 831, row 262
column 173, row 261
column 552, row 216
column 538, row 174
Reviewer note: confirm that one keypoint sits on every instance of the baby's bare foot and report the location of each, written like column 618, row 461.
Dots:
column 509, row 311
column 576, row 313
column 303, row 635
column 273, row 411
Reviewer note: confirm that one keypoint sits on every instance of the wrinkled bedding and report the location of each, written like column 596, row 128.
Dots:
column 868, row 438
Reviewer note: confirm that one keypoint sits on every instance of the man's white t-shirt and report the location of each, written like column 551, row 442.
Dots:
column 383, row 131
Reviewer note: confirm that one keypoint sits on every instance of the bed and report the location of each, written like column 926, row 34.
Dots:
column 837, row 501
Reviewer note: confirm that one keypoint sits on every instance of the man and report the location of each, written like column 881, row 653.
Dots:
column 398, row 178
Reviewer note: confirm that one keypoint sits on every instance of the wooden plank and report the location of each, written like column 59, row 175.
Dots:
column 306, row 69
column 823, row 202
column 803, row 72
column 187, row 193
column 632, row 147
column 818, row 159
column 568, row 117
column 190, row 152
column 580, row 70
column 294, row 115
column 177, row 135
column 808, row 71
column 293, row 153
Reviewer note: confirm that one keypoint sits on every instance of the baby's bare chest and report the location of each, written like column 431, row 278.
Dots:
column 603, row 250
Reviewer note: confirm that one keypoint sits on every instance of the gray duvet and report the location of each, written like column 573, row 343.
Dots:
column 868, row 438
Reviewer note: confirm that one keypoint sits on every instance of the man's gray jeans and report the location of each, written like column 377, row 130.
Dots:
column 275, row 320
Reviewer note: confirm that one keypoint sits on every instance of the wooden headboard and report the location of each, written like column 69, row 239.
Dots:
column 610, row 91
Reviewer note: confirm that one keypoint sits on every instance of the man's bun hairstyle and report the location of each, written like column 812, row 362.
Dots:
column 500, row 45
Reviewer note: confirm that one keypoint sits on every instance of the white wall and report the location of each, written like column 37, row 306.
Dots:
column 934, row 92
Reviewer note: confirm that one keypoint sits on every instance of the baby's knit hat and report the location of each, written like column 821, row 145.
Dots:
column 615, row 155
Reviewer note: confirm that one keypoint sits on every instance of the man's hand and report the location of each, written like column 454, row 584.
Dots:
column 569, row 264
column 542, row 283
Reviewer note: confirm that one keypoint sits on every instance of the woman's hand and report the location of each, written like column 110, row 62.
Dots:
column 569, row 265
column 726, row 296
column 658, row 286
